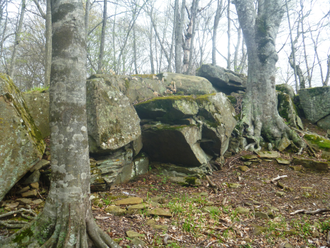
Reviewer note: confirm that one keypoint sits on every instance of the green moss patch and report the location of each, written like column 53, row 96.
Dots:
column 319, row 141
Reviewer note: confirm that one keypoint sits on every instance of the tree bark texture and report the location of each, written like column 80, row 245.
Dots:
column 17, row 39
column 48, row 57
column 260, row 118
column 179, row 19
column 66, row 220
column 104, row 24
column 217, row 17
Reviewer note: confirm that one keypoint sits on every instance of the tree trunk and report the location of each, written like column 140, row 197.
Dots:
column 215, row 31
column 179, row 19
column 66, row 220
column 189, row 36
column 228, row 36
column 326, row 81
column 134, row 51
column 48, row 57
column 260, row 119
column 104, row 24
column 17, row 40
column 151, row 55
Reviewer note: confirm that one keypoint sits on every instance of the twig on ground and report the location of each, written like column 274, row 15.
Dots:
column 310, row 212
column 210, row 243
column 212, row 185
column 278, row 178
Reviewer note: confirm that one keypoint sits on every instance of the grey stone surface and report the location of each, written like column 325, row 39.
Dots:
column 315, row 102
column 21, row 143
column 112, row 121
column 223, row 80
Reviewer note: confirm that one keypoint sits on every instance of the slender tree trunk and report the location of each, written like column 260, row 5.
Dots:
column 134, row 51
column 260, row 118
column 66, row 220
column 151, row 55
column 239, row 34
column 17, row 40
column 309, row 78
column 178, row 35
column 104, row 24
column 48, row 56
column 326, row 81
column 228, row 35
column 215, row 31
column 189, row 37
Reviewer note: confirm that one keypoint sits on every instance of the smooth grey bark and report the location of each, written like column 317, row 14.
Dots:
column 188, row 44
column 151, row 55
column 217, row 17
column 179, row 19
column 228, row 36
column 260, row 119
column 88, row 6
column 104, row 24
column 134, row 51
column 66, row 220
column 48, row 34
column 17, row 40
column 239, row 34
column 327, row 77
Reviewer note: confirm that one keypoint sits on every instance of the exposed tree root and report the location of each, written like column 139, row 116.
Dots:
column 25, row 213
column 257, row 128
column 74, row 230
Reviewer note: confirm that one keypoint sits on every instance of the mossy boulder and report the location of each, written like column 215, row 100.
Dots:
column 318, row 142
column 187, row 84
column 21, row 143
column 223, row 80
column 287, row 89
column 38, row 105
column 311, row 164
column 315, row 103
column 287, row 110
column 112, row 121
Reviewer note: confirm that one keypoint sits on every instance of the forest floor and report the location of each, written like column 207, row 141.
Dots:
column 246, row 209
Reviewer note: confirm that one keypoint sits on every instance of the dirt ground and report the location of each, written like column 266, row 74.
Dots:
column 307, row 190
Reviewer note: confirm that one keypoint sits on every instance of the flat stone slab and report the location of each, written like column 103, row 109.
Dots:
column 24, row 200
column 115, row 210
column 133, row 234
column 283, row 161
column 129, row 201
column 137, row 206
column 30, row 193
column 160, row 212
column 268, row 154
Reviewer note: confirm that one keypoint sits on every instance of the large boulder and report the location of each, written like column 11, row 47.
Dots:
column 21, row 143
column 112, row 121
column 287, row 110
column 186, row 84
column 223, row 80
column 186, row 130
column 38, row 105
column 316, row 105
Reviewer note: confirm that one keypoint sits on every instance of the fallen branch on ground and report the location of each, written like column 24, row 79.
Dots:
column 212, row 185
column 310, row 212
column 278, row 178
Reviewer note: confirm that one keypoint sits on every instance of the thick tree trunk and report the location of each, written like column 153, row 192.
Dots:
column 260, row 118
column 67, row 219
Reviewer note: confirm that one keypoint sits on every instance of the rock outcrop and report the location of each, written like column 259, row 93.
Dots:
column 112, row 121
column 223, row 80
column 186, row 130
column 38, row 105
column 316, row 105
column 21, row 143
